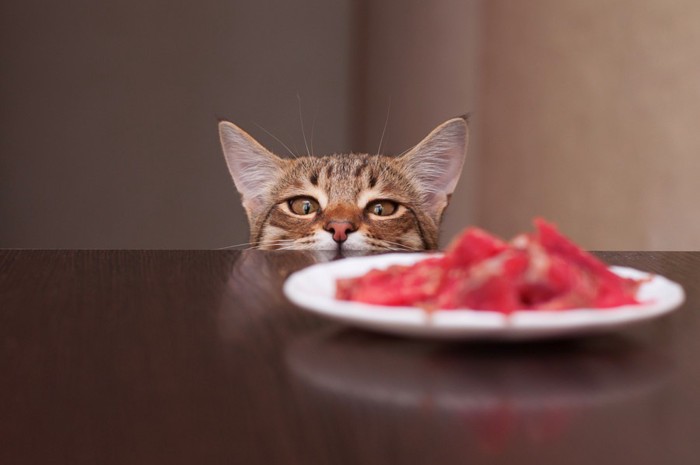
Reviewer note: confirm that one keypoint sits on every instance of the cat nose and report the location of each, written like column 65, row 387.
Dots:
column 340, row 230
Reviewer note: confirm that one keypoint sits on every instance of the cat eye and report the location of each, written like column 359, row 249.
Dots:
column 382, row 207
column 303, row 205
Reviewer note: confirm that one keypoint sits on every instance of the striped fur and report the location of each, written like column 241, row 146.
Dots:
column 420, row 181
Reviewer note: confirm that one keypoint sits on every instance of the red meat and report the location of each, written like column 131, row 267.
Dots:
column 542, row 271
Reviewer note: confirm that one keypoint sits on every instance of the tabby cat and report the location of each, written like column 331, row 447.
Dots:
column 350, row 201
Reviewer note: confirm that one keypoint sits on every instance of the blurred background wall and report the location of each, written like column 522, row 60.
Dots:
column 590, row 117
column 583, row 112
column 108, row 122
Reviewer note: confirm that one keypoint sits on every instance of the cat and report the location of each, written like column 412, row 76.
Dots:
column 348, row 201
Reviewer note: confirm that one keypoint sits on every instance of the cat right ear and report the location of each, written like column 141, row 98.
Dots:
column 435, row 164
column 253, row 168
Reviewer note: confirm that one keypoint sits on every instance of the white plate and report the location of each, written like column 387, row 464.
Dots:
column 313, row 289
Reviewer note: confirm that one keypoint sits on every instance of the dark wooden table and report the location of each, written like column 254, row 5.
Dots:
column 148, row 357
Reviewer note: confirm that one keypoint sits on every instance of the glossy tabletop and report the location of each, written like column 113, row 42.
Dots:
column 189, row 357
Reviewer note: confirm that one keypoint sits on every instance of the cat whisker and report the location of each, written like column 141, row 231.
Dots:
column 386, row 122
column 406, row 151
column 268, row 244
column 280, row 244
column 288, row 247
column 301, row 119
column 293, row 247
column 277, row 139
column 387, row 166
column 234, row 246
column 383, row 173
column 255, row 245
column 394, row 245
column 313, row 125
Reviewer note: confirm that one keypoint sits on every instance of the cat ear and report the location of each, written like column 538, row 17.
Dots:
column 253, row 168
column 435, row 164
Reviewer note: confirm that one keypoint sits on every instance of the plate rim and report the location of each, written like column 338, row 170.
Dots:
column 458, row 322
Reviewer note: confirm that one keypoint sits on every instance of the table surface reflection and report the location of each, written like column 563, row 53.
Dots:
column 197, row 357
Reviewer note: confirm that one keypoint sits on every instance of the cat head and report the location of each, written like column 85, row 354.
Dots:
column 349, row 201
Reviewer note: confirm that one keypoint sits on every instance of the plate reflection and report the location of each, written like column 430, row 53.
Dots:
column 501, row 391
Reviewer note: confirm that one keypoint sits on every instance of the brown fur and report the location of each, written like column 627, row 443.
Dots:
column 421, row 182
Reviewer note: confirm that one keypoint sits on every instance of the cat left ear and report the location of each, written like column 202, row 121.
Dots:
column 435, row 164
column 253, row 168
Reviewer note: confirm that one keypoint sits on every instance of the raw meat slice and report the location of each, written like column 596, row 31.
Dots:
column 540, row 271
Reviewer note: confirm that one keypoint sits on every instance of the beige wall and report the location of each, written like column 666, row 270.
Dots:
column 590, row 118
column 584, row 112
column 108, row 113
column 422, row 65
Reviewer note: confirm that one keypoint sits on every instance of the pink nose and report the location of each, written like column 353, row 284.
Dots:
column 340, row 230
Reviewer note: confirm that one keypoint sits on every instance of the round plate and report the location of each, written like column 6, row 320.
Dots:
column 313, row 289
